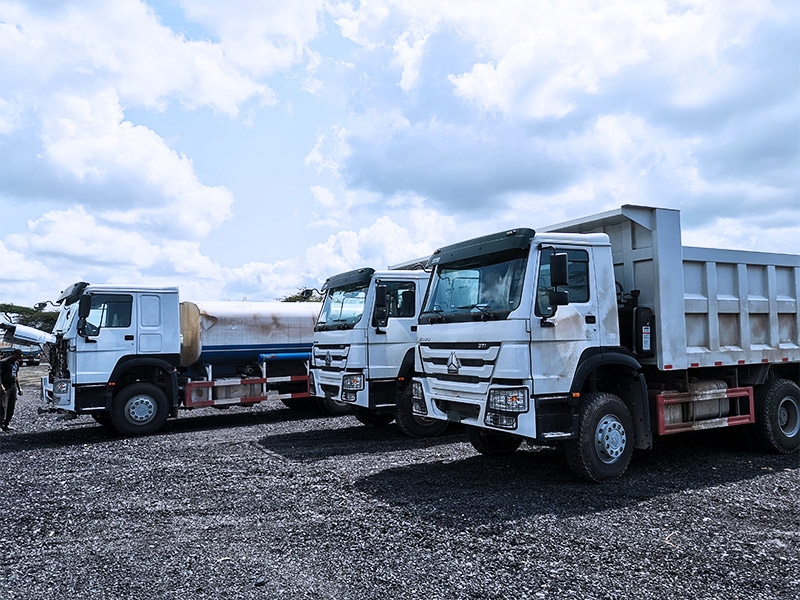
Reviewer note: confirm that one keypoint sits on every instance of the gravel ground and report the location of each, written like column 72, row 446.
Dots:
column 277, row 503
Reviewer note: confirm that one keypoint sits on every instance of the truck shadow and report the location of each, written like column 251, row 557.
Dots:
column 496, row 490
column 84, row 430
column 351, row 439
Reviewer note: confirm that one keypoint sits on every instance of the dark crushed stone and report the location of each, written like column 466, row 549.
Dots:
column 277, row 503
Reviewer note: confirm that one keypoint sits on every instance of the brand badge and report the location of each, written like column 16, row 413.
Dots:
column 453, row 364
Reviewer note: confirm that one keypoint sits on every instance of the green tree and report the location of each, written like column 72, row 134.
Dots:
column 303, row 295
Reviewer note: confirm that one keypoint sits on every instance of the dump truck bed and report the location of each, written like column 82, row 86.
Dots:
column 712, row 307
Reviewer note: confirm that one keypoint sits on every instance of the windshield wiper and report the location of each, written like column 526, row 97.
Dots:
column 436, row 315
column 480, row 311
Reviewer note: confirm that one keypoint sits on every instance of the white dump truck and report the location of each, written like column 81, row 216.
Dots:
column 131, row 356
column 364, row 343
column 601, row 333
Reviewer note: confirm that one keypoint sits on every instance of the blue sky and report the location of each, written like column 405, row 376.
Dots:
column 247, row 149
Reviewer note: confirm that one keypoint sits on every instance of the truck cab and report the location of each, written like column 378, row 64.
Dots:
column 363, row 350
column 509, row 317
column 108, row 338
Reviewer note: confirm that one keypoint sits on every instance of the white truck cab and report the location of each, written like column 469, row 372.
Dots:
column 363, row 351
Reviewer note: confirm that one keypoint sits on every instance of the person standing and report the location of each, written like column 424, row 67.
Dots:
column 9, row 387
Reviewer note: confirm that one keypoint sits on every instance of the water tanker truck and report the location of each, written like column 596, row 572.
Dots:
column 132, row 356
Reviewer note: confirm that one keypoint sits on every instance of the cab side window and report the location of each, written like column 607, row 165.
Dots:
column 110, row 310
column 400, row 299
column 578, row 274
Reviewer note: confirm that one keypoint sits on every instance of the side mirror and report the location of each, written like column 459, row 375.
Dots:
column 381, row 315
column 85, row 329
column 84, row 306
column 559, row 276
column 306, row 293
column 558, row 270
column 559, row 298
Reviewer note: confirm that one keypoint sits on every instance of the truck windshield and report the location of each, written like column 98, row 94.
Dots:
column 478, row 288
column 342, row 308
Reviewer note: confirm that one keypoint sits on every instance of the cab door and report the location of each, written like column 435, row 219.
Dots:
column 387, row 346
column 559, row 335
column 108, row 334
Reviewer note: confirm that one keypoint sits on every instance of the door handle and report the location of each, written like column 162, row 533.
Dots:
column 591, row 319
column 413, row 328
column 128, row 338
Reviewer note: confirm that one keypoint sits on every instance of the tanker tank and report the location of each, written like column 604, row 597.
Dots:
column 230, row 336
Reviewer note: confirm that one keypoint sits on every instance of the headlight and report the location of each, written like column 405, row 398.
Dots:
column 418, row 406
column 353, row 382
column 513, row 400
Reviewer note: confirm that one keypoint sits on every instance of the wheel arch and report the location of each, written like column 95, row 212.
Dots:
column 158, row 371
column 406, row 370
column 616, row 371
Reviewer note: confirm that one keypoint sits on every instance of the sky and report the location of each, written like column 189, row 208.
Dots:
column 247, row 149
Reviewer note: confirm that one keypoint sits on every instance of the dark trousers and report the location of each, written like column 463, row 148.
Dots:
column 8, row 403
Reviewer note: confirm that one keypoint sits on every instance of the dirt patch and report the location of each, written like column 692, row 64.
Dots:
column 277, row 503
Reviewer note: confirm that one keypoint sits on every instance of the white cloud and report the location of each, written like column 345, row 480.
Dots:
column 261, row 38
column 387, row 128
column 87, row 138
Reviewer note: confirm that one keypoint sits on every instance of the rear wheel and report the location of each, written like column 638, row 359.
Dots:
column 778, row 416
column 413, row 425
column 605, row 439
column 492, row 443
column 372, row 417
column 139, row 409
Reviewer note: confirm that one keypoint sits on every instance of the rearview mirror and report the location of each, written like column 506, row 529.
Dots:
column 381, row 315
column 558, row 270
column 84, row 306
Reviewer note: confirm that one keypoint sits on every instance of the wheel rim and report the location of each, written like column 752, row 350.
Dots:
column 789, row 416
column 610, row 439
column 140, row 409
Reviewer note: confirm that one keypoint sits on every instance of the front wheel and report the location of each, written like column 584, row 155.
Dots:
column 605, row 439
column 139, row 409
column 778, row 416
column 492, row 443
column 412, row 425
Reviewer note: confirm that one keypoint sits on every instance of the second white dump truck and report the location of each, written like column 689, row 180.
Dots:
column 364, row 342
column 601, row 333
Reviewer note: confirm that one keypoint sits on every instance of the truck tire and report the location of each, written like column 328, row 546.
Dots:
column 778, row 416
column 139, row 409
column 372, row 418
column 412, row 425
column 492, row 443
column 333, row 407
column 605, row 438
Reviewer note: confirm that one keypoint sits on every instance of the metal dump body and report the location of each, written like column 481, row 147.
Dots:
column 712, row 307
column 233, row 332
